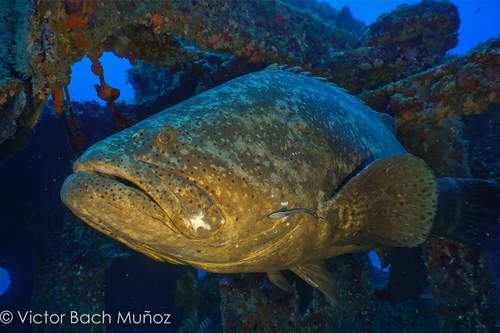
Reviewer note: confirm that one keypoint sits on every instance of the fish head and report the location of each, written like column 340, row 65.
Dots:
column 181, row 177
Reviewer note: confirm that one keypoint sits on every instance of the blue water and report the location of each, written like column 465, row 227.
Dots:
column 376, row 261
column 4, row 280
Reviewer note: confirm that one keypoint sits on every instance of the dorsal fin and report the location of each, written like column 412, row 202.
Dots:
column 387, row 121
column 296, row 69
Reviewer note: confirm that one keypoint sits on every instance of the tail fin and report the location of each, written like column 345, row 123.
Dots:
column 468, row 211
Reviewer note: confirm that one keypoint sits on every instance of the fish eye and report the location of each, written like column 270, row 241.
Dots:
column 166, row 137
column 138, row 134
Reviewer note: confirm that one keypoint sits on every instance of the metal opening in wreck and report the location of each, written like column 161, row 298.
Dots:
column 82, row 82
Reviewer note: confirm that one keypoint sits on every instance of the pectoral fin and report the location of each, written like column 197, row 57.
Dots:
column 391, row 202
column 319, row 277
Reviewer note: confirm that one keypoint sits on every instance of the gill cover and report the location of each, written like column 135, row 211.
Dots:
column 198, row 217
column 191, row 211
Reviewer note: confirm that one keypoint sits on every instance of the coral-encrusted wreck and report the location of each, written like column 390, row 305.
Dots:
column 397, row 65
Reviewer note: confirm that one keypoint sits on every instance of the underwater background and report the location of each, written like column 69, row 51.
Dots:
column 447, row 108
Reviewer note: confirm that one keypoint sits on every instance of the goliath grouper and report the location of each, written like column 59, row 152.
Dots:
column 270, row 171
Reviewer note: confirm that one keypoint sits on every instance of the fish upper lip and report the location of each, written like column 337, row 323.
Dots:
column 127, row 178
column 109, row 171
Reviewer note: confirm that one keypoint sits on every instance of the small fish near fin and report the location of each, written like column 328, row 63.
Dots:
column 287, row 212
column 320, row 278
column 468, row 211
column 391, row 202
column 279, row 280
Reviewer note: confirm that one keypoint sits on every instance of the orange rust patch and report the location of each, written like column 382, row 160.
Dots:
column 81, row 40
column 156, row 20
column 58, row 100
column 96, row 68
column 75, row 23
column 106, row 92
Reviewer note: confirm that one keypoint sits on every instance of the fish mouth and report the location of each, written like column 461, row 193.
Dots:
column 111, row 175
column 137, row 176
column 108, row 171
